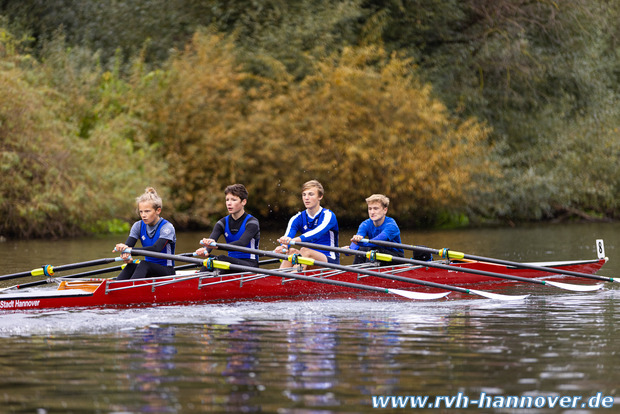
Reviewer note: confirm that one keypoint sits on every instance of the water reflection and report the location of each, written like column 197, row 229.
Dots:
column 316, row 356
column 150, row 369
column 311, row 361
column 241, row 369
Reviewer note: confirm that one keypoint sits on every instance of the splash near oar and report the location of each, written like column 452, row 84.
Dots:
column 389, row 258
column 295, row 259
column 451, row 254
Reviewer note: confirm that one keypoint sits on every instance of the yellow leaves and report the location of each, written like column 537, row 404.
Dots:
column 392, row 132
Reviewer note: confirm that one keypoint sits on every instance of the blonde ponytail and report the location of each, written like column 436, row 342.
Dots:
column 150, row 196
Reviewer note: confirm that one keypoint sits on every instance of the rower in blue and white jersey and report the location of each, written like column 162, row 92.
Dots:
column 314, row 225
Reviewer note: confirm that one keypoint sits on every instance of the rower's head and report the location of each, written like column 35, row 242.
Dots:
column 149, row 206
column 311, row 194
column 236, row 199
column 238, row 190
column 377, row 208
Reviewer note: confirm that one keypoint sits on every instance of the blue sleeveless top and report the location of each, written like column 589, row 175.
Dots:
column 234, row 237
column 148, row 241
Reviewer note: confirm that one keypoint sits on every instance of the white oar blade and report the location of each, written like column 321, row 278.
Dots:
column 418, row 295
column 497, row 295
column 576, row 288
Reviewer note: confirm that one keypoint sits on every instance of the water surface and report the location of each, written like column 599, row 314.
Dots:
column 319, row 356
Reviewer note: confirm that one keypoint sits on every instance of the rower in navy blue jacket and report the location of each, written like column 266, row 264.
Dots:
column 315, row 225
column 155, row 234
column 238, row 227
column 377, row 227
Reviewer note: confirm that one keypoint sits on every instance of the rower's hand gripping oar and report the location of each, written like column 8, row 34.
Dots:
column 389, row 258
column 312, row 262
column 451, row 254
column 212, row 264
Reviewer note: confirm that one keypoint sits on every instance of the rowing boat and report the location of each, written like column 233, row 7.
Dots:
column 193, row 287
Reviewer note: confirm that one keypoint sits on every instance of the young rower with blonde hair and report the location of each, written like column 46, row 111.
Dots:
column 315, row 225
column 155, row 234
column 378, row 226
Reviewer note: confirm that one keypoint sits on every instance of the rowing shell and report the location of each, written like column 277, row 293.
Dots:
column 191, row 287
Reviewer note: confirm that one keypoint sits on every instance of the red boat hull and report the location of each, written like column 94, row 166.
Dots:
column 190, row 289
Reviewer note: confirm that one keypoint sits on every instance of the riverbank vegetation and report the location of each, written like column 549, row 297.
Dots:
column 461, row 112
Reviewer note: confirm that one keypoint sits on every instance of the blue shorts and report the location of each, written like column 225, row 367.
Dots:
column 329, row 259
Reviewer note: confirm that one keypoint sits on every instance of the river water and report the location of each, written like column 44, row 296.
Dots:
column 553, row 352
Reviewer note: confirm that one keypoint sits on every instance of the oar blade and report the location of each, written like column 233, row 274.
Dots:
column 418, row 295
column 497, row 296
column 573, row 287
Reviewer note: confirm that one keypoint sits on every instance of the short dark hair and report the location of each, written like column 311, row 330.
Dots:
column 237, row 190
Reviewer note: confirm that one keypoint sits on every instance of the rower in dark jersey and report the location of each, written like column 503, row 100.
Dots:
column 238, row 227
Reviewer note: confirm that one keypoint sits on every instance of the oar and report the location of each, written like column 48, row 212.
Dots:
column 83, row 274
column 312, row 262
column 218, row 264
column 451, row 254
column 389, row 258
column 48, row 270
column 112, row 269
column 76, row 275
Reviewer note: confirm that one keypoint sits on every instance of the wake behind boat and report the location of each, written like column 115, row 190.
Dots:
column 395, row 281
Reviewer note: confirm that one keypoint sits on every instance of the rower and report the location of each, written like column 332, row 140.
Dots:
column 155, row 233
column 378, row 226
column 238, row 227
column 315, row 225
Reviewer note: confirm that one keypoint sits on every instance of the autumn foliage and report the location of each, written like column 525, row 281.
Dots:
column 362, row 124
column 461, row 112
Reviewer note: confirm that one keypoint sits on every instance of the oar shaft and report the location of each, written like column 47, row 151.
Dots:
column 31, row 284
column 41, row 271
column 459, row 255
column 96, row 272
column 225, row 265
column 89, row 273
